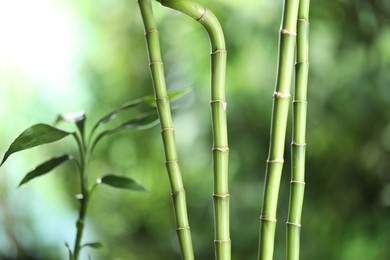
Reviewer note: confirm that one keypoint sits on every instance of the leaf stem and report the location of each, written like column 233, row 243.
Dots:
column 83, row 196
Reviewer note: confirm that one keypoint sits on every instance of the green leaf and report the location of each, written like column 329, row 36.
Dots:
column 121, row 182
column 95, row 245
column 147, row 100
column 71, row 256
column 45, row 168
column 175, row 94
column 78, row 118
column 142, row 122
column 34, row 136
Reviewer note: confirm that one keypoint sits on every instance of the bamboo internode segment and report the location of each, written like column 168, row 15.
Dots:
column 167, row 131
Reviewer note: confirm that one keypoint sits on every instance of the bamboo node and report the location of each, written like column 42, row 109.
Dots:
column 151, row 31
column 298, row 182
column 302, row 62
column 155, row 63
column 204, row 15
column 177, row 192
column 169, row 129
column 281, row 95
column 171, row 161
column 222, row 149
column 182, row 228
column 300, row 101
column 268, row 218
column 284, row 31
column 294, row 224
column 222, row 102
column 275, row 161
column 303, row 20
column 220, row 241
column 298, row 144
column 223, row 196
column 218, row 51
column 161, row 98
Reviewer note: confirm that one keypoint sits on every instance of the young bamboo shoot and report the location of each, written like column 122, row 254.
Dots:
column 167, row 130
column 298, row 146
column 278, row 130
column 220, row 149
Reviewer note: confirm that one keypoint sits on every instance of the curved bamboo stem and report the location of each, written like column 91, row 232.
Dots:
column 221, row 195
column 298, row 146
column 167, row 130
column 278, row 130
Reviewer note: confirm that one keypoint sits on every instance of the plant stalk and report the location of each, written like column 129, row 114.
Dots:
column 84, row 198
column 278, row 130
column 221, row 196
column 298, row 146
column 167, row 130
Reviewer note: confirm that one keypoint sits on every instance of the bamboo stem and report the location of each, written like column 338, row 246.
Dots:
column 278, row 130
column 298, row 146
column 222, row 242
column 167, row 130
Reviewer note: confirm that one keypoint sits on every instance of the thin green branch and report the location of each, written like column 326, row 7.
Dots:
column 167, row 130
column 298, row 146
column 221, row 195
column 278, row 130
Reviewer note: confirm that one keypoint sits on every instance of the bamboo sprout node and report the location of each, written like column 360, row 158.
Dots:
column 300, row 101
column 222, row 149
column 222, row 241
column 298, row 182
column 182, row 228
column 298, row 144
column 303, row 20
column 294, row 224
column 151, row 31
column 222, row 196
column 169, row 129
column 281, row 95
column 275, row 161
column 218, row 51
column 284, row 31
column 155, row 63
column 268, row 218
column 161, row 98
column 171, row 161
column 222, row 102
column 302, row 62
column 177, row 192
column 204, row 15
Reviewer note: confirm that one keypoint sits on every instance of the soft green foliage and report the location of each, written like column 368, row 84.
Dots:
column 42, row 134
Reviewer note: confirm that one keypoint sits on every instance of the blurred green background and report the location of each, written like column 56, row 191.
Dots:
column 59, row 56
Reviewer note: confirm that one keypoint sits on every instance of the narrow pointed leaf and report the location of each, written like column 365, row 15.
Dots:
column 142, row 122
column 78, row 118
column 147, row 100
column 121, row 182
column 34, row 136
column 71, row 257
column 45, row 168
column 95, row 245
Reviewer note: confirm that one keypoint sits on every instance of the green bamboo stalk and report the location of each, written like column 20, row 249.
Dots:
column 298, row 145
column 222, row 242
column 278, row 130
column 167, row 130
